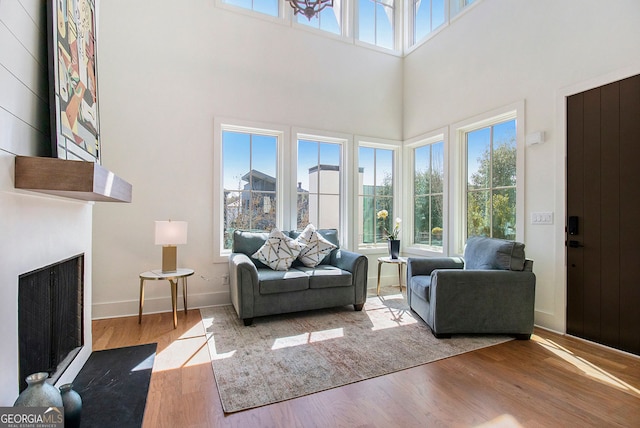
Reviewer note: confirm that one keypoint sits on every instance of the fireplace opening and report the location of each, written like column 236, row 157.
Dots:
column 50, row 318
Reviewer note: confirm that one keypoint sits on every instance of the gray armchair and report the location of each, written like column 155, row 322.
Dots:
column 491, row 290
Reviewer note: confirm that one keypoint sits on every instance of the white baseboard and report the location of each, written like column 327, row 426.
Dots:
column 129, row 308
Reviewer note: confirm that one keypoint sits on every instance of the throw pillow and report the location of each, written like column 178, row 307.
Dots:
column 315, row 247
column 279, row 251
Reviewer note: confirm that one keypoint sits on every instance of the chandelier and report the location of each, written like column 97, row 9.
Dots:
column 309, row 8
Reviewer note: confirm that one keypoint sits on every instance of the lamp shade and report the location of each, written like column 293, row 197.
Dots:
column 171, row 232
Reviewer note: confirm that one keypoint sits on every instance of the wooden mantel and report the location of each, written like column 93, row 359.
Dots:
column 86, row 181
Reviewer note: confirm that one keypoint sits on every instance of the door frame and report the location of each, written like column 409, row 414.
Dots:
column 559, row 316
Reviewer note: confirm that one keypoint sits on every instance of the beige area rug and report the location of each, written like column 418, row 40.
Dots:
column 288, row 356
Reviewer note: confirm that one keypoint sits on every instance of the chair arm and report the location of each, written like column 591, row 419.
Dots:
column 482, row 300
column 358, row 265
column 426, row 265
column 243, row 282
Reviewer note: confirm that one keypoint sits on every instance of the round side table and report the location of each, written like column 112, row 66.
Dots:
column 400, row 261
column 172, row 277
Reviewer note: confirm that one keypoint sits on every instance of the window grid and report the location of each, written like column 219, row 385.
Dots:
column 429, row 195
column 252, row 206
column 376, row 197
column 491, row 208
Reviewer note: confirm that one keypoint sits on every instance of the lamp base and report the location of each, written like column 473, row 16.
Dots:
column 169, row 258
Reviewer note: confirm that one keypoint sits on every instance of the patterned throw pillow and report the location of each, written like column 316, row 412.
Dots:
column 315, row 247
column 279, row 251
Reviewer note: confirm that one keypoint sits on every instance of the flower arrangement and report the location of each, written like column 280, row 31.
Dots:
column 395, row 232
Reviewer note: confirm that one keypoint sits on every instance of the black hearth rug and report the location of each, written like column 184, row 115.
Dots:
column 113, row 385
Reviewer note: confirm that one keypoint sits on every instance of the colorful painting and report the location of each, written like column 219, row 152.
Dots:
column 72, row 61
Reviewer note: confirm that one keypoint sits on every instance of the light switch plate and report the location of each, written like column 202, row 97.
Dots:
column 542, row 218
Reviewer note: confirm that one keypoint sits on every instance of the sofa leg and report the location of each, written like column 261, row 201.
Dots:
column 441, row 335
column 247, row 321
column 522, row 336
column 358, row 306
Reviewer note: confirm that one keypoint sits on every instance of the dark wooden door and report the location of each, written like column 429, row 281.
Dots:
column 603, row 215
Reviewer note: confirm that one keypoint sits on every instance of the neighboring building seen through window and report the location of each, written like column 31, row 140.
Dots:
column 319, row 184
column 249, row 180
column 428, row 194
column 491, row 181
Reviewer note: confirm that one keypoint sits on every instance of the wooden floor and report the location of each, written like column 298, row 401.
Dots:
column 549, row 381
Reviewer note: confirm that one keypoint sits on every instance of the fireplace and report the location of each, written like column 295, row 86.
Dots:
column 50, row 318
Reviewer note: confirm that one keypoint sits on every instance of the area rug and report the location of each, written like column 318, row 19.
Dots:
column 113, row 385
column 288, row 356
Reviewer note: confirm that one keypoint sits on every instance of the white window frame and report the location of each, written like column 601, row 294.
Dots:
column 514, row 111
column 398, row 207
column 282, row 158
column 345, row 141
column 410, row 145
column 398, row 14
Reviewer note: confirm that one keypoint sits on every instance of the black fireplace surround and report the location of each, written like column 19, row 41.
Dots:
column 50, row 318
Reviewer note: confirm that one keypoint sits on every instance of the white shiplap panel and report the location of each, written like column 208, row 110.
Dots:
column 22, row 65
column 20, row 101
column 22, row 26
column 21, row 139
column 37, row 10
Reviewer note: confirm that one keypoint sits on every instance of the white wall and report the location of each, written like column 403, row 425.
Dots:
column 502, row 52
column 35, row 230
column 166, row 70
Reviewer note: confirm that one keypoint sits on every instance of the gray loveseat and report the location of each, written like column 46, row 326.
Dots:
column 491, row 290
column 257, row 290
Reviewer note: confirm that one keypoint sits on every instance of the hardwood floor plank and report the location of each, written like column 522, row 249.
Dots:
column 549, row 381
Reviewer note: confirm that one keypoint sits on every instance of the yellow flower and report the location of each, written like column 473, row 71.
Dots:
column 383, row 214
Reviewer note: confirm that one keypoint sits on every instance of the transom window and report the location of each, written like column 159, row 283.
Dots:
column 328, row 20
column 375, row 193
column 249, row 182
column 376, row 20
column 268, row 7
column 491, row 181
column 428, row 194
column 427, row 15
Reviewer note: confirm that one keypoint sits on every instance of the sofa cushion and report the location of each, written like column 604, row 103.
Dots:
column 420, row 285
column 279, row 251
column 492, row 253
column 330, row 235
column 278, row 281
column 325, row 276
column 314, row 246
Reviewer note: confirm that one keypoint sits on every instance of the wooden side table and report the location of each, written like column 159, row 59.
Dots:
column 399, row 261
column 173, row 278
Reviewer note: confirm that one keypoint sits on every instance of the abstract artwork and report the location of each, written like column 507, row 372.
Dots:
column 73, row 80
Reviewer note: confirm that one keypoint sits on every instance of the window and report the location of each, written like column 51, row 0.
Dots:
column 428, row 194
column 249, row 182
column 328, row 20
column 376, row 22
column 375, row 193
column 426, row 16
column 268, row 7
column 319, row 186
column 491, row 154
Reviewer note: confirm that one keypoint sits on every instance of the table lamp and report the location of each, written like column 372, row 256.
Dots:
column 169, row 234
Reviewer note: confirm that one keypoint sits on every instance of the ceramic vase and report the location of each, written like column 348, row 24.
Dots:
column 394, row 248
column 72, row 403
column 39, row 393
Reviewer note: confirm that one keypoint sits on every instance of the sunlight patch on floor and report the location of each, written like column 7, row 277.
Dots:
column 305, row 338
column 585, row 366
column 383, row 315
column 186, row 352
column 502, row 421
